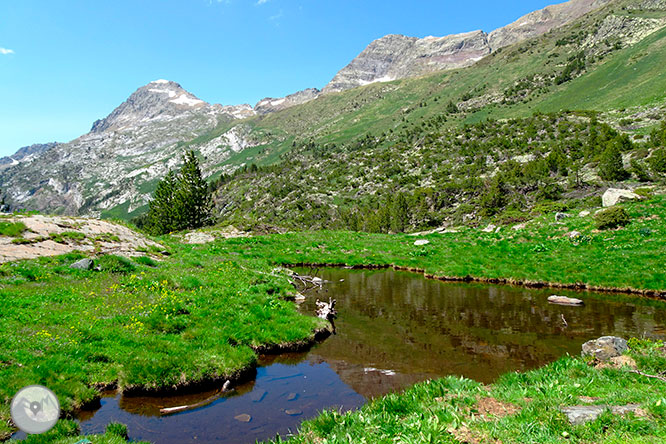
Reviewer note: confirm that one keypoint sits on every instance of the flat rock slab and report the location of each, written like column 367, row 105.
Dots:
column 99, row 237
column 563, row 300
column 421, row 242
column 580, row 414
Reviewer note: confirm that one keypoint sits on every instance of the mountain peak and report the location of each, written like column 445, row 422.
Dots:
column 157, row 98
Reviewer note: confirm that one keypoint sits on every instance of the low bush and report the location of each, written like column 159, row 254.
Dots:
column 612, row 218
column 115, row 264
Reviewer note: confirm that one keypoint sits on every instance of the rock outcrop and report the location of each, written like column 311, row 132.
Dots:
column 605, row 347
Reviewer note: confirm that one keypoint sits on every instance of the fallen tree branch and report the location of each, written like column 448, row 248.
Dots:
column 638, row 372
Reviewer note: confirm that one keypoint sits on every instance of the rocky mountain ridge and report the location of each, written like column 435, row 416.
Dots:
column 396, row 56
column 122, row 156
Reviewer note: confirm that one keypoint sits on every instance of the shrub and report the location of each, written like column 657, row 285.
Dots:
column 612, row 218
column 115, row 264
column 610, row 165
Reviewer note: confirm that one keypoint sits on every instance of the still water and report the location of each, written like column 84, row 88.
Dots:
column 394, row 329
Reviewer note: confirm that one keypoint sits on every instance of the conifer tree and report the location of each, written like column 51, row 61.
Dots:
column 193, row 202
column 161, row 216
column 610, row 165
column 400, row 214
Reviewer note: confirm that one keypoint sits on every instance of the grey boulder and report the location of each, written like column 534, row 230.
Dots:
column 83, row 264
column 605, row 348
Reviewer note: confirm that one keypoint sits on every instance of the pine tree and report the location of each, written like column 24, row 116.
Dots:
column 192, row 201
column 610, row 165
column 161, row 216
column 400, row 214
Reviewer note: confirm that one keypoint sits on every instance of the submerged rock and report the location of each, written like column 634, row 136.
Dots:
column 605, row 348
column 244, row 417
column 293, row 412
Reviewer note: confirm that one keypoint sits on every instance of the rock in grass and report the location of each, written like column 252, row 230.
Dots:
column 563, row 300
column 605, row 348
column 561, row 216
column 83, row 264
column 490, row 228
column 421, row 242
column 580, row 414
column 615, row 195
column 244, row 417
column 584, row 213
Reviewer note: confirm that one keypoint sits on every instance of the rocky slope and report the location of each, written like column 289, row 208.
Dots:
column 122, row 156
column 396, row 56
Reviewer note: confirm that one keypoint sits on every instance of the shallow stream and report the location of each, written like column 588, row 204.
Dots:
column 394, row 329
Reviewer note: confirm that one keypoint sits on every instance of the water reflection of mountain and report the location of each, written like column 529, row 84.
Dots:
column 400, row 321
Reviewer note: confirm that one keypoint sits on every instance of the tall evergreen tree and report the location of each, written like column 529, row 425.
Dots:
column 610, row 165
column 193, row 201
column 161, row 216
column 400, row 214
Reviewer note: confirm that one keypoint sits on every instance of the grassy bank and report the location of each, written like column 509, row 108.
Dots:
column 627, row 258
column 519, row 408
column 193, row 318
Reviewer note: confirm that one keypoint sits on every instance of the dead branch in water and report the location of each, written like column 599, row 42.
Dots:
column 306, row 281
column 182, row 408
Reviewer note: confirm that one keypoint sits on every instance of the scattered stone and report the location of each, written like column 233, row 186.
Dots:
column 421, row 242
column 561, row 216
column 292, row 396
column 573, row 234
column 605, row 347
column 563, row 300
column 244, row 417
column 497, row 230
column 299, row 297
column 519, row 227
column 615, row 195
column 293, row 412
column 489, row 229
column 580, row 414
column 588, row 399
column 83, row 264
column 584, row 213
column 197, row 237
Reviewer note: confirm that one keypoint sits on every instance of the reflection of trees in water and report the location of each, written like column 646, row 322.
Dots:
column 408, row 322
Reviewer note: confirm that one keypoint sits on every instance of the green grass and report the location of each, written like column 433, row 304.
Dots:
column 630, row 257
column 196, row 317
column 447, row 410
column 12, row 229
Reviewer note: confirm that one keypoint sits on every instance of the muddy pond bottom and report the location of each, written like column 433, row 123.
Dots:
column 394, row 329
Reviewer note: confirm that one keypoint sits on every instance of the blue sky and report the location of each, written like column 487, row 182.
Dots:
column 66, row 63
